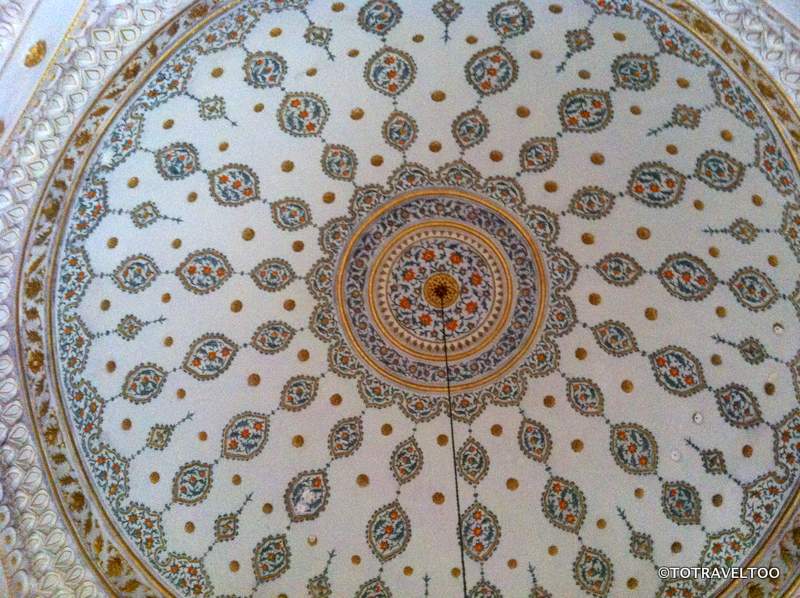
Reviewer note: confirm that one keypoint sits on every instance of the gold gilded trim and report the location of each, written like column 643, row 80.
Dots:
column 447, row 191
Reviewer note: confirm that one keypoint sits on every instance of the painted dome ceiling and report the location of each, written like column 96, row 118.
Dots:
column 421, row 299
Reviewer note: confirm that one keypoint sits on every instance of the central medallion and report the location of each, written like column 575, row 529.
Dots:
column 441, row 253
column 441, row 290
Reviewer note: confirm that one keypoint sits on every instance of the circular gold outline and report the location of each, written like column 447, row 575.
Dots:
column 450, row 192
column 489, row 243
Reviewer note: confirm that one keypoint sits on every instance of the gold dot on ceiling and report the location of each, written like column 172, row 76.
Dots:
column 471, row 39
column 721, row 311
column 495, row 155
column 180, row 393
column 632, row 583
column 355, row 559
column 523, row 111
column 716, row 500
column 769, row 388
column 636, row 110
column 189, row 527
column 512, row 563
column 757, row 200
column 512, row 484
column 168, row 340
column 166, row 298
column 336, row 399
column 217, row 72
column 438, row 96
column 651, row 313
column 353, row 53
column 312, row 540
column 587, row 238
column 258, row 107
column 234, row 566
column 536, row 54
column 35, row 54
column 713, row 251
column 362, row 480
column 303, row 355
column 639, row 493
column 133, row 182
column 337, row 6
column 298, row 246
column 698, row 205
column 626, row 386
column 676, row 547
column 298, row 440
column 455, row 572
column 111, row 366
column 236, row 306
column 577, row 445
column 435, row 146
column 597, row 158
column 408, row 571
column 275, row 32
column 105, row 305
column 595, row 298
column 442, row 439
column 643, row 233
column 266, row 508
column 418, row 38
column 253, row 380
column 287, row 166
column 192, row 197
column 682, row 83
column 601, row 524
column 584, row 74
column 223, row 146
column 551, row 186
column 236, row 480
column 248, row 234
column 112, row 242
column 671, row 149
column 154, row 477
column 437, row 498
column 202, row 435
column 581, row 353
column 168, row 124
column 126, row 424
column 328, row 197
column 619, row 36
column 496, row 430
column 555, row 9
column 289, row 304
column 772, row 260
column 386, row 429
column 552, row 550
column 357, row 113
column 726, row 135
column 716, row 359
column 176, row 243
column 549, row 401
column 311, row 72
column 376, row 160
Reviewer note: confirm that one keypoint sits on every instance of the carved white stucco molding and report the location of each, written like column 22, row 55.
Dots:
column 765, row 33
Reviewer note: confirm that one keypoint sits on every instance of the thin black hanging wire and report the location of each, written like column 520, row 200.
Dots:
column 441, row 293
